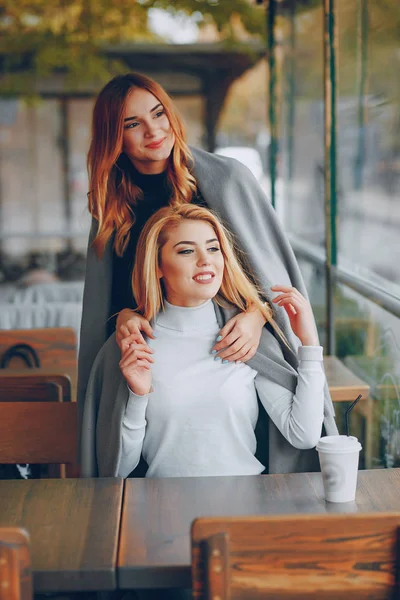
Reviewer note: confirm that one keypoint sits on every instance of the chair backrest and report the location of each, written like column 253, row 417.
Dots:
column 39, row 433
column 15, row 566
column 31, row 386
column 333, row 556
column 55, row 346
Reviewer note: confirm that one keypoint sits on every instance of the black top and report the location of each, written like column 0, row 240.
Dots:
column 156, row 194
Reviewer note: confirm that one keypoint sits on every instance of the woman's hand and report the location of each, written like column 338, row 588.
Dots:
column 299, row 312
column 135, row 366
column 129, row 327
column 240, row 337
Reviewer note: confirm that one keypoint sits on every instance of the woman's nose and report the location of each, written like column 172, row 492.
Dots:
column 150, row 128
column 203, row 259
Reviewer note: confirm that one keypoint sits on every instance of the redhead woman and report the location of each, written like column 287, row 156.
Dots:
column 138, row 162
column 173, row 401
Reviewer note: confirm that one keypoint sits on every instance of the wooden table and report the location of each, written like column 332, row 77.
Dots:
column 154, row 546
column 74, row 527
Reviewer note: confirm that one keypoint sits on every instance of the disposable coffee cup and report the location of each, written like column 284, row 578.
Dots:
column 338, row 457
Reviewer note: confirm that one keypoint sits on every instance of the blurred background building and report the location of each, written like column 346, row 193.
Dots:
column 305, row 92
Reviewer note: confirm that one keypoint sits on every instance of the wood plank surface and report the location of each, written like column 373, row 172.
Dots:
column 157, row 514
column 73, row 525
column 296, row 557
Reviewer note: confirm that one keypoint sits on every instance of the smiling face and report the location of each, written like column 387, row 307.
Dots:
column 192, row 264
column 148, row 137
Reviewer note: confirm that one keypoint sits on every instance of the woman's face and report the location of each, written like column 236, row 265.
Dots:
column 148, row 138
column 192, row 264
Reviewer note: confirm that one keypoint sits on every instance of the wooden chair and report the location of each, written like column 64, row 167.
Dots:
column 55, row 346
column 15, row 568
column 36, row 433
column 331, row 557
column 40, row 433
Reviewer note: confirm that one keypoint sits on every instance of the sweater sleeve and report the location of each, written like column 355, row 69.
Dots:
column 133, row 432
column 299, row 416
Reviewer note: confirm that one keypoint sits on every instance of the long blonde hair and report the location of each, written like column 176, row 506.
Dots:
column 113, row 194
column 236, row 288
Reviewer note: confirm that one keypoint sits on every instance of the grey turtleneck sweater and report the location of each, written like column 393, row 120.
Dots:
column 200, row 417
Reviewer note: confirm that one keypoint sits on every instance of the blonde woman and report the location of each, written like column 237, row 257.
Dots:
column 138, row 162
column 181, row 407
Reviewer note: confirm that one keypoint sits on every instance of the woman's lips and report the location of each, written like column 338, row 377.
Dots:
column 204, row 277
column 155, row 145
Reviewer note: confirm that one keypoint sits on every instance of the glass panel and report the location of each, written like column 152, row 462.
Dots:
column 301, row 155
column 368, row 341
column 369, row 140
column 242, row 127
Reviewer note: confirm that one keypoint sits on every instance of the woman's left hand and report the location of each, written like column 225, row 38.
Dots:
column 240, row 337
column 299, row 312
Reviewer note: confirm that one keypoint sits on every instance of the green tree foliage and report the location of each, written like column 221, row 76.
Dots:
column 43, row 37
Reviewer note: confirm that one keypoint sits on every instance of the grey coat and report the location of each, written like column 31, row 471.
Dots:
column 232, row 192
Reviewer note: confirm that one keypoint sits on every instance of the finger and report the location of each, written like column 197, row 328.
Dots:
column 230, row 339
column 133, row 356
column 237, row 356
column 135, row 346
column 123, row 331
column 147, row 329
column 229, row 352
column 141, row 364
column 282, row 288
column 296, row 299
column 134, row 364
column 249, row 354
column 137, row 350
column 132, row 359
column 289, row 307
column 135, row 338
column 226, row 329
column 291, row 294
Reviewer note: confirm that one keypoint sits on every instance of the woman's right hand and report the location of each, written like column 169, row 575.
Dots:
column 129, row 326
column 135, row 366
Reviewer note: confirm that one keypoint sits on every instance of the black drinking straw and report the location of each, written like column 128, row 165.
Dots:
column 348, row 412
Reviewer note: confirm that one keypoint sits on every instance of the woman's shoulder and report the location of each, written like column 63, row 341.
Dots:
column 222, row 166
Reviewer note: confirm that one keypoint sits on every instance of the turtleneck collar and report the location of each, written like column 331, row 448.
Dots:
column 181, row 318
column 149, row 182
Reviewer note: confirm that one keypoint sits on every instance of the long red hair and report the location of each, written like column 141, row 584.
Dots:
column 112, row 194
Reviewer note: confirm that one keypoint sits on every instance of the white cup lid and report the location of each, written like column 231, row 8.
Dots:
column 338, row 444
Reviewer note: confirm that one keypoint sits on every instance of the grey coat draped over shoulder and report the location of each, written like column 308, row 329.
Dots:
column 230, row 189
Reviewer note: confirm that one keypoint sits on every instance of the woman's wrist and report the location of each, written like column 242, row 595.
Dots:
column 310, row 341
column 255, row 309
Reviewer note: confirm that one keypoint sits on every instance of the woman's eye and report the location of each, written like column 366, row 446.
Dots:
column 131, row 125
column 187, row 251
column 214, row 249
column 159, row 113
